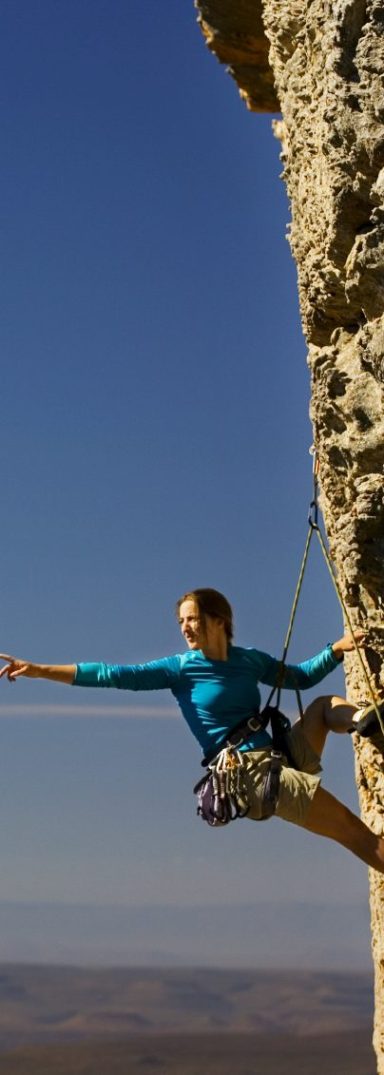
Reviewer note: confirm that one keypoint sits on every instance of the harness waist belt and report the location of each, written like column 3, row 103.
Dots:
column 236, row 735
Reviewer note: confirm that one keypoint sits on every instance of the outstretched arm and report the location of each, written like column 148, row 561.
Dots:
column 61, row 673
column 153, row 675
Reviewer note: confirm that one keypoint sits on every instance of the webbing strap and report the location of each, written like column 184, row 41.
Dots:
column 236, row 736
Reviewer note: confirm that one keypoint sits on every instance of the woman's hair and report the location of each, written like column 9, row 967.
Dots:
column 211, row 603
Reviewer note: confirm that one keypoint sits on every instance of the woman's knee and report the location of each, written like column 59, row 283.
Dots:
column 327, row 713
column 314, row 723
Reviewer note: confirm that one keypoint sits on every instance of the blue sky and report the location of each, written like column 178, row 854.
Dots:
column 154, row 437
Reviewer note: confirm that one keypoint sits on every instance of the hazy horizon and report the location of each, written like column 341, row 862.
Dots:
column 172, row 936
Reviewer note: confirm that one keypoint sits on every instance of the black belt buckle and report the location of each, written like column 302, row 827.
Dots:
column 254, row 724
column 238, row 736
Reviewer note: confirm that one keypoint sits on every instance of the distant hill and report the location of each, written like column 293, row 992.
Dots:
column 39, row 1005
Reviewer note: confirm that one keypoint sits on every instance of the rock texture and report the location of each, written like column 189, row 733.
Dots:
column 327, row 58
column 235, row 33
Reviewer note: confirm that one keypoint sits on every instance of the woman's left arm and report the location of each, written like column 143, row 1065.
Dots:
column 308, row 673
column 347, row 643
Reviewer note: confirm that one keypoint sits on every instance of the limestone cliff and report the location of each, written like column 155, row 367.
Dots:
column 327, row 59
column 235, row 33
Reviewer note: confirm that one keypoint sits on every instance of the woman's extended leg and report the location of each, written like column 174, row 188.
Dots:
column 327, row 714
column 329, row 817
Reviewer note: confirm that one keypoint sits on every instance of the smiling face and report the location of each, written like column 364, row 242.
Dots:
column 201, row 632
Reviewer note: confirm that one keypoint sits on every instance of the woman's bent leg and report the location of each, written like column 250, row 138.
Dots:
column 327, row 714
column 327, row 816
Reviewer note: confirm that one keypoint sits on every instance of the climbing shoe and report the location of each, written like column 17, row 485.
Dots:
column 366, row 722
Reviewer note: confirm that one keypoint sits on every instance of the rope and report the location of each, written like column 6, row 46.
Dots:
column 297, row 593
column 278, row 687
column 314, row 528
column 290, row 626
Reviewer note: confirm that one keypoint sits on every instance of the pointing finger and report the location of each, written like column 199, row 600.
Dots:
column 15, row 673
column 5, row 671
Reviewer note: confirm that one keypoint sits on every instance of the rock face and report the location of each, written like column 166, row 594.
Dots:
column 235, row 33
column 327, row 58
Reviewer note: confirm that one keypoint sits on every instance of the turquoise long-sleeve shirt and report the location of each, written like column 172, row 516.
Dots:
column 213, row 696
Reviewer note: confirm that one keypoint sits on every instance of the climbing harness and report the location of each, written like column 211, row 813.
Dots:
column 220, row 792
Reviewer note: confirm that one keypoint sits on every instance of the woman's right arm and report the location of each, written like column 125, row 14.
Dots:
column 60, row 673
column 153, row 675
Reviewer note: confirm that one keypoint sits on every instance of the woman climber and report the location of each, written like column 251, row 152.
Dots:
column 216, row 686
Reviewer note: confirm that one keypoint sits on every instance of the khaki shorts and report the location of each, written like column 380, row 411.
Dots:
column 297, row 787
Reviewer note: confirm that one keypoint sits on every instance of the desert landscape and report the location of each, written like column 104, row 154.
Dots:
column 211, row 1054
column 75, row 1021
